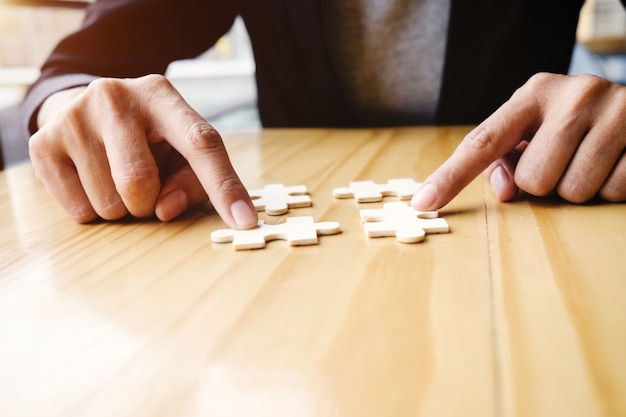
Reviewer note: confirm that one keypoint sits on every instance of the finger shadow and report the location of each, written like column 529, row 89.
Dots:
column 555, row 201
column 191, row 214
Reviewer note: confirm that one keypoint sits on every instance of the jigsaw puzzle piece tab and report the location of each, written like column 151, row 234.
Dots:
column 297, row 231
column 276, row 199
column 402, row 221
column 369, row 191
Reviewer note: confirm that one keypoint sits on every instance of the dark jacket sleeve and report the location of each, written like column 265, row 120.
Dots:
column 128, row 38
column 493, row 50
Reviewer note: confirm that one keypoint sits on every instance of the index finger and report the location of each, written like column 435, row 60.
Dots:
column 512, row 123
column 202, row 146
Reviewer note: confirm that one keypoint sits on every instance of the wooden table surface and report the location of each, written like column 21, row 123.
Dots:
column 519, row 311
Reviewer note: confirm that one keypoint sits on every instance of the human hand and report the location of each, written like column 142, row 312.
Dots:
column 134, row 146
column 557, row 133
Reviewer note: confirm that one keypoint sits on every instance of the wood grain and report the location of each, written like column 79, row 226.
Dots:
column 519, row 311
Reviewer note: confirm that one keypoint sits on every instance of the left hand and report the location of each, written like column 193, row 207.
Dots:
column 556, row 134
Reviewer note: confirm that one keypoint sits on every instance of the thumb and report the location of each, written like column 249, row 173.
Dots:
column 182, row 190
column 501, row 173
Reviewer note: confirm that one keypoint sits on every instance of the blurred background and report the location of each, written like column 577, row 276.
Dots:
column 29, row 29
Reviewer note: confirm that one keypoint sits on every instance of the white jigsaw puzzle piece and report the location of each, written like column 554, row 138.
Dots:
column 297, row 231
column 276, row 199
column 368, row 191
column 402, row 221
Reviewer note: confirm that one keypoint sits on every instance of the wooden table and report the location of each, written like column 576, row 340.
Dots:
column 519, row 311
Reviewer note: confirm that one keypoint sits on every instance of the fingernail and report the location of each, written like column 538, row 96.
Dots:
column 425, row 197
column 499, row 180
column 245, row 217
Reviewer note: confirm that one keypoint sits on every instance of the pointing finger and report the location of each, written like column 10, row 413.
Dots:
column 512, row 123
column 202, row 146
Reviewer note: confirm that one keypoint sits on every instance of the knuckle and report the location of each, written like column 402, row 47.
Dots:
column 82, row 214
column 107, row 97
column 538, row 83
column 43, row 156
column 591, row 82
column 138, row 187
column 105, row 87
column 575, row 191
column 202, row 137
column 227, row 184
column 157, row 81
column 112, row 209
column 138, row 181
column 613, row 191
column 484, row 141
column 108, row 88
column 528, row 181
column 53, row 138
column 37, row 147
column 540, row 79
column 585, row 91
column 604, row 149
column 618, row 95
column 614, row 114
column 612, row 195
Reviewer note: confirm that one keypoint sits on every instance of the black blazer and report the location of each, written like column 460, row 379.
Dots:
column 493, row 47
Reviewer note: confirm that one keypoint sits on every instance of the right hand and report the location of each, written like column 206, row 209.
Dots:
column 557, row 134
column 134, row 146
